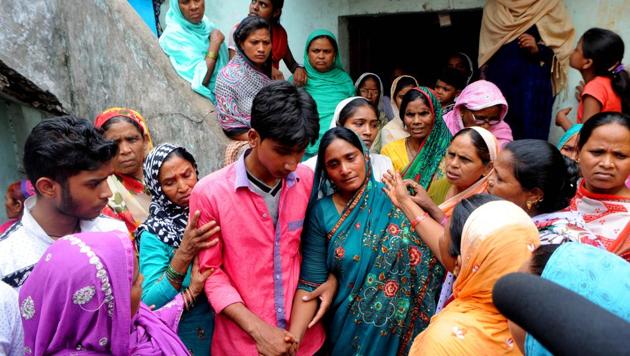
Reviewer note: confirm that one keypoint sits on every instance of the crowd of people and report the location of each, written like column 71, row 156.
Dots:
column 346, row 220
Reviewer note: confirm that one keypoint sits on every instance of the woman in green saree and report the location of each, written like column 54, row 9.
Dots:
column 388, row 278
column 327, row 82
column 419, row 157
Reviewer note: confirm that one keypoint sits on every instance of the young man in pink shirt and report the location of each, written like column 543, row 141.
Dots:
column 260, row 202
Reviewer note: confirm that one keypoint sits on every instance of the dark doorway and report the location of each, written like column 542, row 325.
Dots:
column 414, row 42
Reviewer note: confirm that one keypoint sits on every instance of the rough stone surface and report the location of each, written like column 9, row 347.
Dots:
column 82, row 56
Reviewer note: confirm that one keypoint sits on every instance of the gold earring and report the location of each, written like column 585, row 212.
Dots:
column 529, row 205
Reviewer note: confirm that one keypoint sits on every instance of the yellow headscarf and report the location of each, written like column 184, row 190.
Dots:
column 497, row 238
column 504, row 20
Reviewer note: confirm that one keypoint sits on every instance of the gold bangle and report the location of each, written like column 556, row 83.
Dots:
column 212, row 55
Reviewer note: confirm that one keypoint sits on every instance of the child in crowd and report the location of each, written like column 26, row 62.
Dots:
column 448, row 86
column 598, row 57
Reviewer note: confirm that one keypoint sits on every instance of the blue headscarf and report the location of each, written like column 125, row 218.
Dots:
column 187, row 44
column 595, row 274
column 574, row 130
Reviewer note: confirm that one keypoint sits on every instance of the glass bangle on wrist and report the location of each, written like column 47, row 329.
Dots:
column 212, row 55
column 173, row 275
column 418, row 219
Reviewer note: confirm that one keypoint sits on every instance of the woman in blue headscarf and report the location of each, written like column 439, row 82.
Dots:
column 327, row 82
column 568, row 142
column 595, row 274
column 388, row 278
column 194, row 45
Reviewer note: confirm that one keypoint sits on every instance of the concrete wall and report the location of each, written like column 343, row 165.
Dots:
column 77, row 61
column 16, row 121
column 610, row 14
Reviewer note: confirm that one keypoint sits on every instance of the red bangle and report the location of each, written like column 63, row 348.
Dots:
column 418, row 219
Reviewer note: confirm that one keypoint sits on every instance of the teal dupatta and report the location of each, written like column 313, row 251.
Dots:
column 326, row 88
column 388, row 278
column 186, row 44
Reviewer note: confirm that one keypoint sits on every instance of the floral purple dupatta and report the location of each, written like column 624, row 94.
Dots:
column 78, row 298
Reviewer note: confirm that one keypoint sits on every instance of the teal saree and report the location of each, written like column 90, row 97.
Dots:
column 388, row 278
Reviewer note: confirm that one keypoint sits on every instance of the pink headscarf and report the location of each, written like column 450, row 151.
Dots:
column 78, row 299
column 477, row 96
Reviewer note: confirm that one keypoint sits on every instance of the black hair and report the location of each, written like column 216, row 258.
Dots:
column 245, row 28
column 277, row 5
column 539, row 164
column 461, row 213
column 540, row 257
column 333, row 134
column 373, row 77
column 352, row 107
column 470, row 67
column 605, row 48
column 453, row 77
column 286, row 114
column 601, row 119
column 183, row 154
column 108, row 124
column 61, row 147
column 480, row 145
column 249, row 25
column 410, row 96
column 403, row 83
column 332, row 41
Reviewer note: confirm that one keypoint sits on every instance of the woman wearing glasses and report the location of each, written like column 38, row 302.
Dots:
column 481, row 104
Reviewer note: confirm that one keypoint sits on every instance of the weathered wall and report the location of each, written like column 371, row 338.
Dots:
column 92, row 54
column 610, row 14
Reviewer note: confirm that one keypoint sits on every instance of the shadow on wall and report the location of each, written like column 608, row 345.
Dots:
column 85, row 59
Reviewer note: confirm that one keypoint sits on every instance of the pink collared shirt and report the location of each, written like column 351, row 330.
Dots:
column 255, row 262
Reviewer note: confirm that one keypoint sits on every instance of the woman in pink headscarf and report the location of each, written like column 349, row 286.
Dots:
column 482, row 104
column 83, row 296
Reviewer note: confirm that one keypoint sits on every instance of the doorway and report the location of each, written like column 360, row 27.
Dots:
column 412, row 42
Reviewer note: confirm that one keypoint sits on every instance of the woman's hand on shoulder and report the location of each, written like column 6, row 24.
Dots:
column 198, row 238
column 396, row 188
